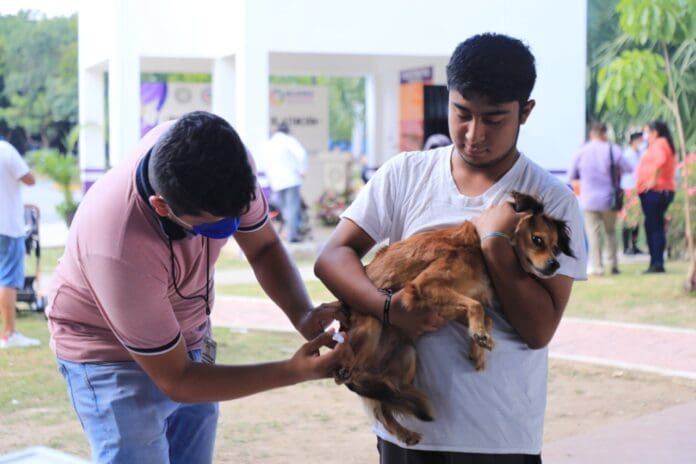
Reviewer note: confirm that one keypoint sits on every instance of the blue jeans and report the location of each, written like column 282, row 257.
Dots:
column 655, row 206
column 128, row 419
column 291, row 206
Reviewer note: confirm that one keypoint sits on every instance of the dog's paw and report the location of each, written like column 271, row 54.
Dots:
column 484, row 340
column 342, row 375
column 479, row 362
column 411, row 438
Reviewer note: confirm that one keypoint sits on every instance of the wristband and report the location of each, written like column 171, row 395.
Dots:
column 387, row 305
column 495, row 233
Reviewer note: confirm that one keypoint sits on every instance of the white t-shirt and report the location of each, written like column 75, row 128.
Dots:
column 500, row 409
column 12, row 168
column 284, row 161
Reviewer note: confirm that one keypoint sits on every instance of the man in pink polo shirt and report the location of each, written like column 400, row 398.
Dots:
column 129, row 315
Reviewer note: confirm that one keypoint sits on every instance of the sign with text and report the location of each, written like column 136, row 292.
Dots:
column 305, row 109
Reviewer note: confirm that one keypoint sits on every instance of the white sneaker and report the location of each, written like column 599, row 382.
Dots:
column 18, row 340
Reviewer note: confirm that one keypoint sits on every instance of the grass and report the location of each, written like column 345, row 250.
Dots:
column 48, row 261
column 635, row 297
column 317, row 291
column 33, row 394
column 629, row 296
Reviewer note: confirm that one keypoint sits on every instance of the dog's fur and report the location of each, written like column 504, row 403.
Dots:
column 441, row 269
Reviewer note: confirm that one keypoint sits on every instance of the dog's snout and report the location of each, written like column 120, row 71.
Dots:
column 551, row 267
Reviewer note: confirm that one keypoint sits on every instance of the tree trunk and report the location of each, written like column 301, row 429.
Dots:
column 690, row 283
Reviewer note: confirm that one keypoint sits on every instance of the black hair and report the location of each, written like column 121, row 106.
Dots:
column 635, row 136
column 662, row 131
column 598, row 126
column 284, row 128
column 436, row 141
column 494, row 66
column 200, row 165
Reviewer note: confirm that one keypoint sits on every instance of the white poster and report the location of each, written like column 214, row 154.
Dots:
column 305, row 109
column 163, row 101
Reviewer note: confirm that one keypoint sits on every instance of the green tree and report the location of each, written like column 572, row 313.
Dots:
column 656, row 77
column 39, row 70
column 602, row 32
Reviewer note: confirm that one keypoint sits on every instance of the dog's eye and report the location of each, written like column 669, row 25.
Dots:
column 537, row 241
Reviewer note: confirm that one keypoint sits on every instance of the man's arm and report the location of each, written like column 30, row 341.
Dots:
column 185, row 381
column 281, row 280
column 341, row 270
column 532, row 306
column 300, row 155
column 28, row 179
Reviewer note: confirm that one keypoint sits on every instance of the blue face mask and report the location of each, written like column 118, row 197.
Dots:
column 223, row 228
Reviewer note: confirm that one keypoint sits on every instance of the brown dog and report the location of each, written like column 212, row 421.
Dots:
column 441, row 269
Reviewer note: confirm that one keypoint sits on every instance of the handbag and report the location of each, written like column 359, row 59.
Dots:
column 617, row 193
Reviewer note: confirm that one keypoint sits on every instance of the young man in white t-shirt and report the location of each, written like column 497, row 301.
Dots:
column 495, row 415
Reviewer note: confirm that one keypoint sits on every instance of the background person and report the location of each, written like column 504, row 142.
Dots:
column 631, row 212
column 13, row 172
column 496, row 415
column 129, row 315
column 436, row 141
column 656, row 187
column 285, row 164
column 591, row 165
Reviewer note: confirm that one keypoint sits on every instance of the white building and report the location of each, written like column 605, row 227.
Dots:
column 240, row 43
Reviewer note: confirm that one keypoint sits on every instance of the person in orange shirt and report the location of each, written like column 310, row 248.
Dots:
column 656, row 186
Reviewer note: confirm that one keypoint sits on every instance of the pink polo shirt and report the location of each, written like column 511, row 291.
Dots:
column 113, row 291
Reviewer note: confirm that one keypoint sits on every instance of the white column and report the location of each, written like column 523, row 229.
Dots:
column 91, row 146
column 388, row 91
column 252, row 113
column 124, row 86
column 381, row 116
column 372, row 121
column 224, row 88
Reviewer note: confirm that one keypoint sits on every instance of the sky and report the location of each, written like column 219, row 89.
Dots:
column 49, row 7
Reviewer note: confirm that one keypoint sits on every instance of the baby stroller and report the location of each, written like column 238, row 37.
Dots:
column 28, row 294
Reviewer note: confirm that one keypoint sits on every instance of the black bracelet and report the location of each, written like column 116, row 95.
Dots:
column 387, row 304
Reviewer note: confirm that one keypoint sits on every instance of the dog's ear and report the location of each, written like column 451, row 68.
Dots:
column 522, row 202
column 563, row 237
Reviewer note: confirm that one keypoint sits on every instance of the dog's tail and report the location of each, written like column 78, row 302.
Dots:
column 406, row 399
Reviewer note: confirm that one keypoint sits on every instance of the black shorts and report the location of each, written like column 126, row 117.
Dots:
column 390, row 453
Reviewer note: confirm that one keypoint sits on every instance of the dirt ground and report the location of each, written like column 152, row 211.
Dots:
column 314, row 423
column 319, row 422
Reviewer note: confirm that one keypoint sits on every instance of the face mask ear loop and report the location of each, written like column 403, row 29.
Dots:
column 207, row 276
column 205, row 297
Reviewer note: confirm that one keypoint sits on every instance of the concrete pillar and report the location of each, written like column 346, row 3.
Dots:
column 381, row 116
column 91, row 147
column 124, row 86
column 224, row 87
column 252, row 113
column 373, row 125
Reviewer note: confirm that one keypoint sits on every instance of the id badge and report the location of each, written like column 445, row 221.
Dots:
column 209, row 350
